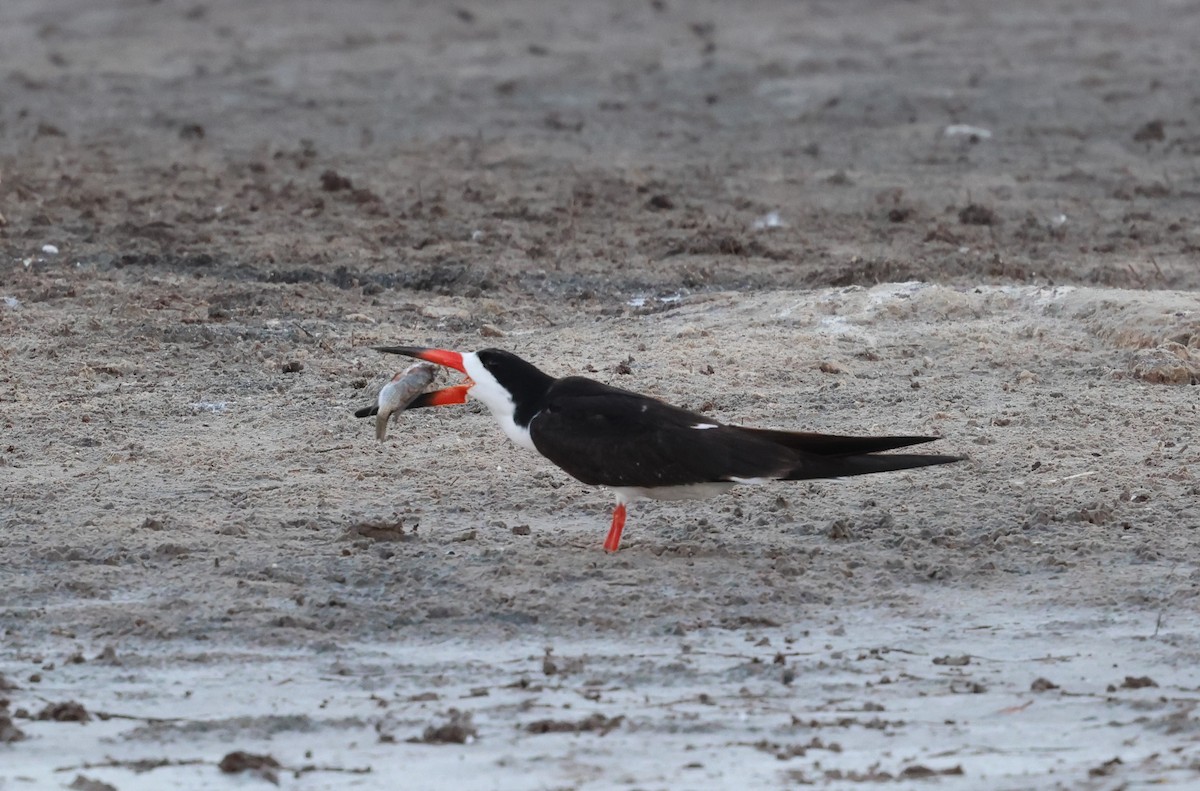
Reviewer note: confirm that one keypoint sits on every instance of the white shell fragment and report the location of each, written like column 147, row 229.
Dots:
column 769, row 220
column 966, row 130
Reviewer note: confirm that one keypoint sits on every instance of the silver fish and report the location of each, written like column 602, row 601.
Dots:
column 400, row 392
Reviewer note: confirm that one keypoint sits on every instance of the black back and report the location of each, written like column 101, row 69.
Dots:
column 607, row 436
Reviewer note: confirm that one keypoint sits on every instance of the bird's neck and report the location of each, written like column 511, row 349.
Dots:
column 513, row 400
column 515, row 414
column 518, row 433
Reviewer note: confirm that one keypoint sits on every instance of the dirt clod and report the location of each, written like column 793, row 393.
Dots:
column 69, row 711
column 1138, row 682
column 191, row 132
column 263, row 766
column 975, row 214
column 8, row 731
column 84, row 783
column 920, row 772
column 1107, row 768
column 457, row 729
column 332, row 181
column 1151, row 132
column 108, row 656
column 840, row 530
column 380, row 530
column 598, row 723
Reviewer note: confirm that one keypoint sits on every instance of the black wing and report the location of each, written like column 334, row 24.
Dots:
column 836, row 444
column 605, row 436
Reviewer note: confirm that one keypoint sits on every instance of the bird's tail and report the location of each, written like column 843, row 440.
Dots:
column 863, row 464
column 837, row 456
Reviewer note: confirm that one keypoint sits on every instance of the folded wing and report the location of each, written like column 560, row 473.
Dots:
column 611, row 437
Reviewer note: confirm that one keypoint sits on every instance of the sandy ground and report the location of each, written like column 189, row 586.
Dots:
column 201, row 546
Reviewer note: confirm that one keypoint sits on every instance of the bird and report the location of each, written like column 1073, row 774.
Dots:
column 641, row 447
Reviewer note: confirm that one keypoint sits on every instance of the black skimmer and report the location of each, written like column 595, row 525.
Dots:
column 640, row 447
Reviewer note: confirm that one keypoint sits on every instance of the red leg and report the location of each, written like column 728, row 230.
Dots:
column 613, row 542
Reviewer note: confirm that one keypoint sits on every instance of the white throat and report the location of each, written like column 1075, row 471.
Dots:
column 498, row 400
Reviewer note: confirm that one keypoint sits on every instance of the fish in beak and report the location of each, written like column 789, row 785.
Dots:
column 406, row 389
column 396, row 395
column 447, row 359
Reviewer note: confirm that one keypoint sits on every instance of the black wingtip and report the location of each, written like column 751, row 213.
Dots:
column 367, row 411
column 836, row 444
column 865, row 464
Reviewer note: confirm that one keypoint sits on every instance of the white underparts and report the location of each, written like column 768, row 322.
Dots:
column 691, row 491
column 498, row 400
